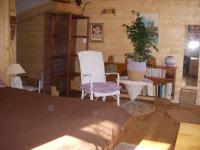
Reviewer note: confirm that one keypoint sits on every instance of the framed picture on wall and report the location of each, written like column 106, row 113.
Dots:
column 151, row 20
column 96, row 32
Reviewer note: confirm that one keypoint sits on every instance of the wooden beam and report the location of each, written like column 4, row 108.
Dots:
column 4, row 39
column 88, row 32
column 69, row 52
column 53, row 28
column 64, row 1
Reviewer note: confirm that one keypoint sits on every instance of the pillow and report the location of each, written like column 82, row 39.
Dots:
column 2, row 84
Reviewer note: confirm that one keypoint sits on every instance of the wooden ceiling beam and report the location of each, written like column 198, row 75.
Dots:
column 64, row 1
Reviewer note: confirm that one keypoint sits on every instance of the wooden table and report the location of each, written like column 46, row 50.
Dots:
column 188, row 137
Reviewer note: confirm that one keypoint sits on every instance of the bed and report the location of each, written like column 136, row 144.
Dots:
column 40, row 122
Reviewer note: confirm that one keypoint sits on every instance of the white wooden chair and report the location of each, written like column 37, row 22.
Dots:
column 93, row 77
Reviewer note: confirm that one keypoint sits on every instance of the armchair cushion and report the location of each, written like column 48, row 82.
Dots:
column 101, row 87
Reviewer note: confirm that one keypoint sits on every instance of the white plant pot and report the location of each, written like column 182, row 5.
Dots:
column 136, row 70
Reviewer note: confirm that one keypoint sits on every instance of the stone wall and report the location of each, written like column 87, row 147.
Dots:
column 174, row 15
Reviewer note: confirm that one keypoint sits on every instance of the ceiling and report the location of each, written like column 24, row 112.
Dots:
column 22, row 5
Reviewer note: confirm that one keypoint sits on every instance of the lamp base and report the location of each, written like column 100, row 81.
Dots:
column 16, row 82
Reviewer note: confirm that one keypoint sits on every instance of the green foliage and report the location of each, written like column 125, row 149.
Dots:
column 142, row 39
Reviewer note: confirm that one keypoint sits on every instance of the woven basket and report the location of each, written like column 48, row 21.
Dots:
column 187, row 98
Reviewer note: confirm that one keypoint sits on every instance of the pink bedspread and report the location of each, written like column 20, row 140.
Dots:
column 40, row 122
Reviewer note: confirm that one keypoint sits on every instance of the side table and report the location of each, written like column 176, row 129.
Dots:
column 134, row 88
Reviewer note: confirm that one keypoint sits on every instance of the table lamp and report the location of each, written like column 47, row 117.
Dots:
column 14, row 70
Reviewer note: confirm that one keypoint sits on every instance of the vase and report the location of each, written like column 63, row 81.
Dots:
column 136, row 70
column 170, row 61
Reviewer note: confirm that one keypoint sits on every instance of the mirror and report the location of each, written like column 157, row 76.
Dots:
column 191, row 55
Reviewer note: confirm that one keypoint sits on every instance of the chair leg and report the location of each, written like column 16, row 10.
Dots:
column 82, row 94
column 91, row 97
column 118, row 100
column 104, row 98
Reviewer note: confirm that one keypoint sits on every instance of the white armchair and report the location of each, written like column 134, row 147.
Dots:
column 93, row 77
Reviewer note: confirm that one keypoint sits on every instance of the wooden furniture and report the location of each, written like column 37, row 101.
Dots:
column 170, row 75
column 48, row 37
column 115, row 67
column 60, row 44
column 188, row 137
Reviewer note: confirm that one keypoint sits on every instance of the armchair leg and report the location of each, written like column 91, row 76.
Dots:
column 91, row 97
column 82, row 94
column 118, row 100
column 104, row 98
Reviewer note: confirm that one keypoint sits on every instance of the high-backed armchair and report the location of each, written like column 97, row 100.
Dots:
column 93, row 77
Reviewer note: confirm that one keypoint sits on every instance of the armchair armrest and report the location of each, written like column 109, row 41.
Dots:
column 114, row 73
column 85, row 75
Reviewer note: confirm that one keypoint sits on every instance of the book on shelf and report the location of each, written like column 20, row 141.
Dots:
column 150, row 91
column 169, row 90
column 163, row 91
column 156, row 73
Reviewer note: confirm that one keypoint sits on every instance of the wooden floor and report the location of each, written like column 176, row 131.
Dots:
column 156, row 127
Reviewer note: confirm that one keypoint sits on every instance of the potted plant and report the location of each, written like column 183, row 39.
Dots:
column 143, row 40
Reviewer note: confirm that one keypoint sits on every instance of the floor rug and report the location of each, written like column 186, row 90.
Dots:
column 138, row 108
column 183, row 115
column 125, row 146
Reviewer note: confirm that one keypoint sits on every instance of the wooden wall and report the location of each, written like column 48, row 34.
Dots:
column 174, row 15
column 30, row 38
column 7, row 8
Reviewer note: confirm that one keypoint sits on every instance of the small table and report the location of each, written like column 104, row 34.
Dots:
column 134, row 88
column 188, row 137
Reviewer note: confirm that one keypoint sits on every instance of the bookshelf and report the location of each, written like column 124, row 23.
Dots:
column 161, row 76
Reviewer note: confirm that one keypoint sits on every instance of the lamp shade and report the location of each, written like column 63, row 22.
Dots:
column 15, row 69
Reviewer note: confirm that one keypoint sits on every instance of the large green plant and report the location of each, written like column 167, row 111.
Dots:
column 142, row 38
